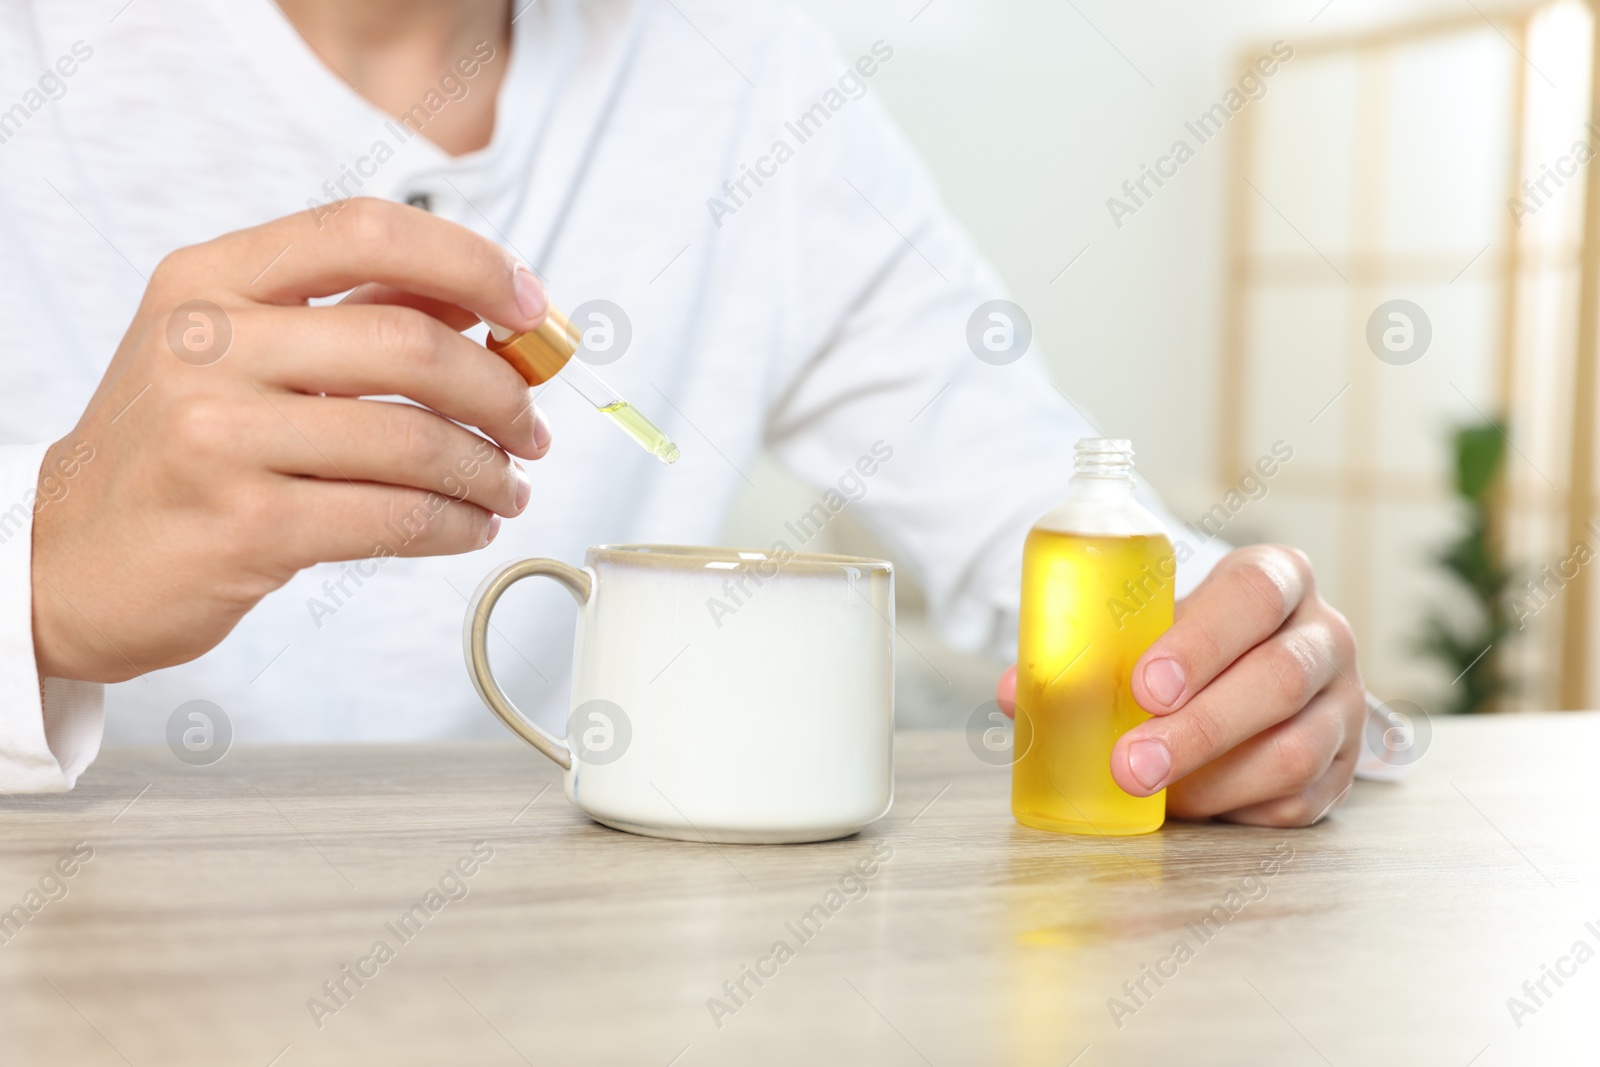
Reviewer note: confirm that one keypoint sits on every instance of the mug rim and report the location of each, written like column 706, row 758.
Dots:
column 669, row 555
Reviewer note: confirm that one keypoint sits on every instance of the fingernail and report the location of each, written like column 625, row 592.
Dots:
column 531, row 300
column 541, row 430
column 524, row 486
column 1164, row 679
column 1150, row 762
column 494, row 529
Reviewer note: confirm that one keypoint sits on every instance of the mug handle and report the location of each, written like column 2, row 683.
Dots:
column 578, row 583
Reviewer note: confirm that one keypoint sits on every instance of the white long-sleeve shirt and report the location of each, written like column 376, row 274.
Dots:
column 813, row 298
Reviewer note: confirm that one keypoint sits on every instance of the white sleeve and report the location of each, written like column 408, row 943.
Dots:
column 882, row 283
column 49, row 728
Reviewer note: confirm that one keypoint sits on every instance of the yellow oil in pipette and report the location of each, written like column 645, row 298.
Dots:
column 546, row 352
column 641, row 429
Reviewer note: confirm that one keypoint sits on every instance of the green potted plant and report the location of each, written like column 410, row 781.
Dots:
column 1468, row 646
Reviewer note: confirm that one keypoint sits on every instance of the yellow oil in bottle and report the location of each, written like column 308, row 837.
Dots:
column 642, row 430
column 1091, row 605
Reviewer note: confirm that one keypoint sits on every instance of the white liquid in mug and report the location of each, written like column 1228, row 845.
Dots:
column 767, row 715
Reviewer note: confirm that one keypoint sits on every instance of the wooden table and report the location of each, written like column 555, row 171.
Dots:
column 218, row 901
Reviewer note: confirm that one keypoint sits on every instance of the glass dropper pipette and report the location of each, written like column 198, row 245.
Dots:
column 546, row 352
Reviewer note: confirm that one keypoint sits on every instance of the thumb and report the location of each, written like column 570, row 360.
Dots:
column 1005, row 691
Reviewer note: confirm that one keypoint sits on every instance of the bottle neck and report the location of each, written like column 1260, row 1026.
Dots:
column 1100, row 497
column 1103, row 467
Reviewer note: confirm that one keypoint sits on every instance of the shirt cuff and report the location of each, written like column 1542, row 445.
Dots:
column 1391, row 741
column 50, row 728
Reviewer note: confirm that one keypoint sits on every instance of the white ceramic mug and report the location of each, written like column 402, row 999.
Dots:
column 717, row 694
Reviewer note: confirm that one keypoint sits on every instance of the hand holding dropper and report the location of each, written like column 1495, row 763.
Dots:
column 546, row 352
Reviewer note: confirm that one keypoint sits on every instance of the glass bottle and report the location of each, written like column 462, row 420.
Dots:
column 1097, row 590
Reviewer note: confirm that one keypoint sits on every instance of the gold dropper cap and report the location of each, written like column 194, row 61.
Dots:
column 539, row 354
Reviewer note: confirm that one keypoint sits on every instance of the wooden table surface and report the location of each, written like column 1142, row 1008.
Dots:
column 218, row 901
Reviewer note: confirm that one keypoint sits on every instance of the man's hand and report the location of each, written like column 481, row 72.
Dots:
column 1257, row 700
column 217, row 473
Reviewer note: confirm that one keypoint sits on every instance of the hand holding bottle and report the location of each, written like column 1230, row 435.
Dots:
column 1256, row 697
